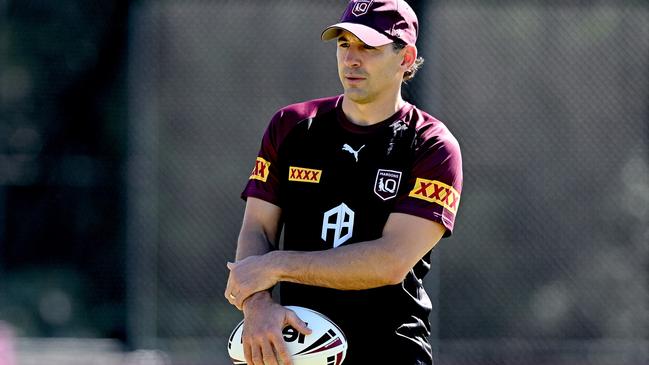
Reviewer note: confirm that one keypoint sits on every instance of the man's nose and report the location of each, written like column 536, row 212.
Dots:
column 352, row 58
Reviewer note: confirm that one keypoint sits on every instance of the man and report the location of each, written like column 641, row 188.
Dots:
column 364, row 185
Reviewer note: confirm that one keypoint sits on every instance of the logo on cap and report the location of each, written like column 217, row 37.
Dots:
column 361, row 7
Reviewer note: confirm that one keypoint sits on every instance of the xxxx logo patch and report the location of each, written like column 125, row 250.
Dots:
column 260, row 172
column 302, row 174
column 436, row 192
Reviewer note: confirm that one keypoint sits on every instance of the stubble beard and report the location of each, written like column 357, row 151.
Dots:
column 358, row 95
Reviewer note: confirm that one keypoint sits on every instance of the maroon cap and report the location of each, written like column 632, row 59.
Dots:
column 377, row 22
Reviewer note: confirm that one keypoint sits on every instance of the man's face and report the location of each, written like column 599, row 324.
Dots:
column 367, row 73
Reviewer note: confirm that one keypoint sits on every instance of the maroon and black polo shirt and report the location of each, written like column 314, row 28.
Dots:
column 337, row 183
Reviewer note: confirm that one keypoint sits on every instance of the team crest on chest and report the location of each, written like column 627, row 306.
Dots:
column 387, row 183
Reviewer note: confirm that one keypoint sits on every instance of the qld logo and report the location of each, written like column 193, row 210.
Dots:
column 387, row 183
column 361, row 7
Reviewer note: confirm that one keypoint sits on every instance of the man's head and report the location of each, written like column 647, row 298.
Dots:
column 376, row 47
column 377, row 22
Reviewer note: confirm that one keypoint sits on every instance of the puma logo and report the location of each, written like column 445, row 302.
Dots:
column 349, row 149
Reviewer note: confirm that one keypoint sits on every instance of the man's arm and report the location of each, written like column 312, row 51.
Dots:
column 364, row 265
column 264, row 318
column 260, row 228
column 260, row 231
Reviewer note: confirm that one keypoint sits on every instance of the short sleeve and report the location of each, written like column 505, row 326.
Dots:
column 435, row 183
column 264, row 180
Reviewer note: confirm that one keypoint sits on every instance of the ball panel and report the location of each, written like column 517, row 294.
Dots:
column 235, row 345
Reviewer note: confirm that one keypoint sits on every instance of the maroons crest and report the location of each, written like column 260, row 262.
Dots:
column 387, row 183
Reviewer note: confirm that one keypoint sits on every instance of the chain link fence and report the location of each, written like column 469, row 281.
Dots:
column 550, row 260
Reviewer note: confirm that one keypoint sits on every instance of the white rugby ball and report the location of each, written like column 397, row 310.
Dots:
column 326, row 345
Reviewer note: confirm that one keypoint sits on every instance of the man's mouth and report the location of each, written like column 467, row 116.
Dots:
column 354, row 78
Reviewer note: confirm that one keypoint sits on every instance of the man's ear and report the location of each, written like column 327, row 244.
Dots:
column 409, row 56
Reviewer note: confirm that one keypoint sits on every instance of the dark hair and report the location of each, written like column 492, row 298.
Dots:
column 409, row 74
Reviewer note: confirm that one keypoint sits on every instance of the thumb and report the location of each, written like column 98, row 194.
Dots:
column 294, row 321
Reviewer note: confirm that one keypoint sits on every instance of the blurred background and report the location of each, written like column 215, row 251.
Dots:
column 129, row 128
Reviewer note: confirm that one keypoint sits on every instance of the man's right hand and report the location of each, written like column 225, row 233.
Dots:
column 264, row 319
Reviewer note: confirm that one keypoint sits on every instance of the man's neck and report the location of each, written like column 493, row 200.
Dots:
column 371, row 113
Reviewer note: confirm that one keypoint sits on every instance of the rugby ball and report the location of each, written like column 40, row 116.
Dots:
column 326, row 345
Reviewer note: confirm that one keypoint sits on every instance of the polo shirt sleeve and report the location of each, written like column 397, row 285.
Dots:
column 264, row 180
column 435, row 183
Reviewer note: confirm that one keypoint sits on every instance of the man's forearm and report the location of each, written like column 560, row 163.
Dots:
column 363, row 265
column 360, row 266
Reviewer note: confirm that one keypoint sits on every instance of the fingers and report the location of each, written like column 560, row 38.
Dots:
column 263, row 337
column 268, row 355
column 230, row 294
column 282, row 352
column 236, row 299
column 247, row 352
column 294, row 321
column 228, row 287
column 266, row 351
column 256, row 356
column 240, row 298
column 235, row 293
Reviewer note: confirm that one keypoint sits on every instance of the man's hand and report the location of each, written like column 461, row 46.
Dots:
column 263, row 343
column 249, row 276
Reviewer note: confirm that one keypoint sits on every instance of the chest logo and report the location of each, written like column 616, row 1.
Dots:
column 387, row 183
column 349, row 149
column 340, row 220
column 301, row 174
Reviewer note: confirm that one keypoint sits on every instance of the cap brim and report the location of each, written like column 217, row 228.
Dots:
column 366, row 34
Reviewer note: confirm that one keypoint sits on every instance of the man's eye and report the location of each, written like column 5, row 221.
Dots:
column 343, row 45
column 368, row 47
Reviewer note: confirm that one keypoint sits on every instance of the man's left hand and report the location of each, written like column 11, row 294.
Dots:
column 248, row 276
